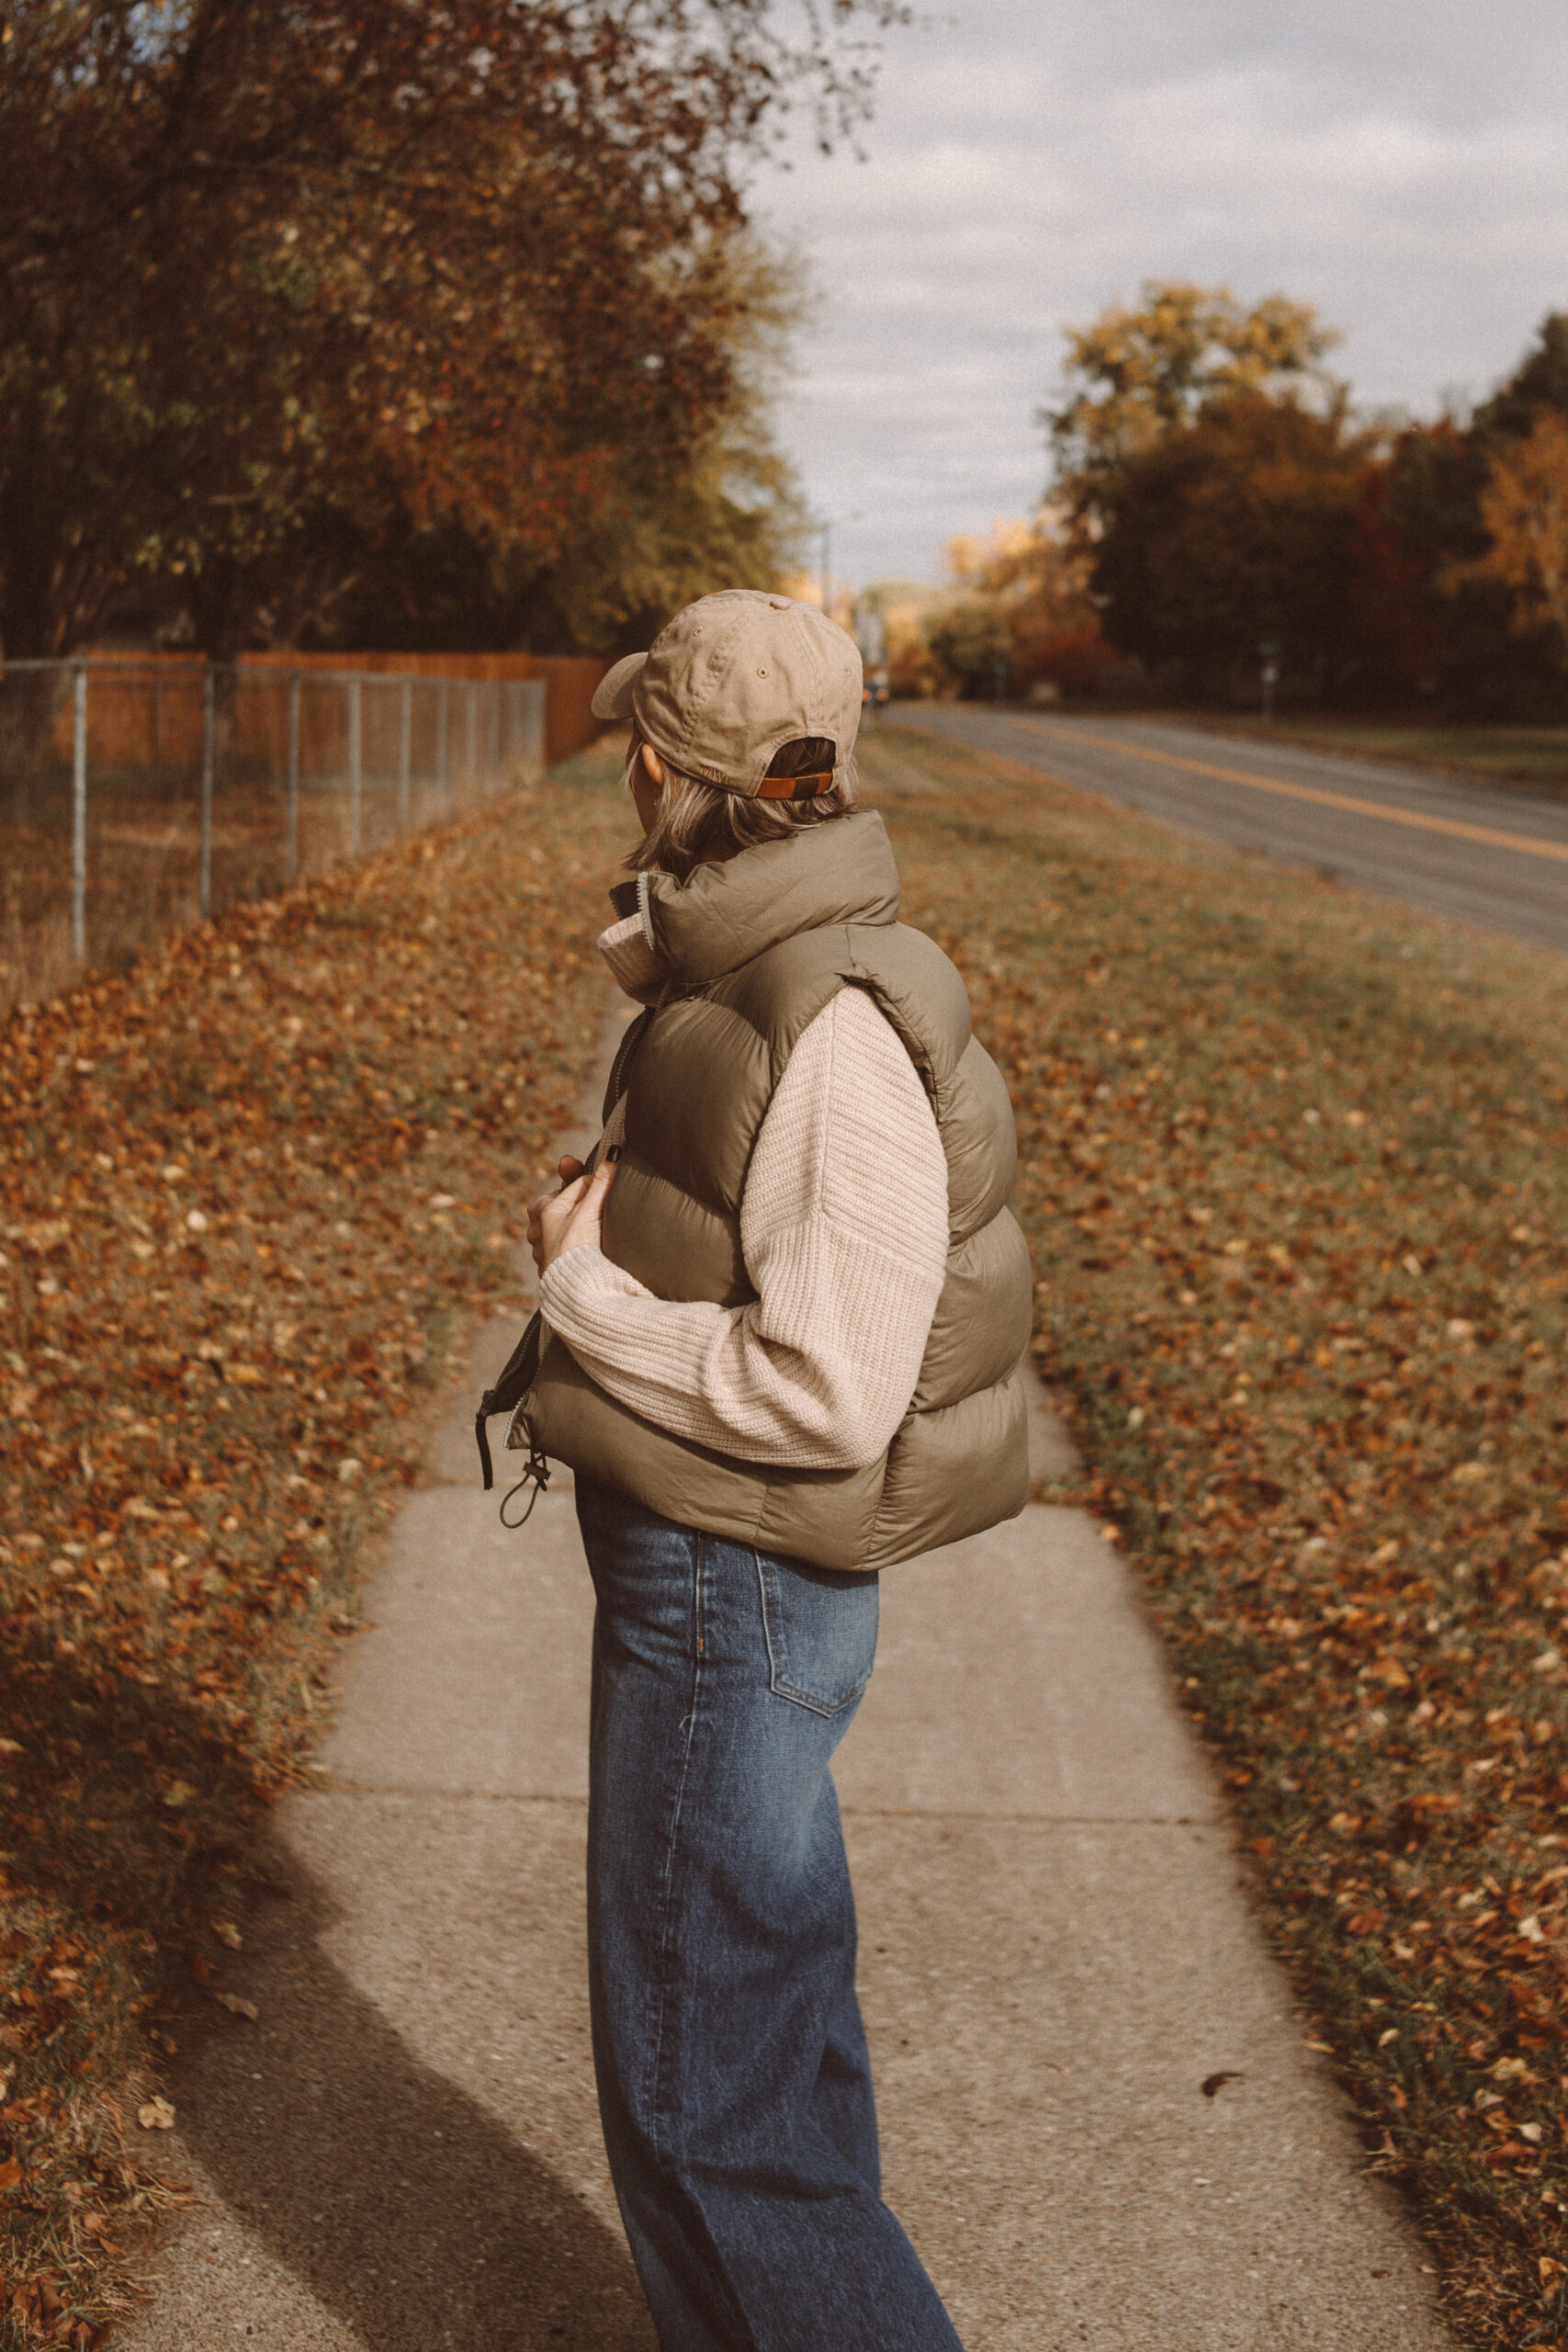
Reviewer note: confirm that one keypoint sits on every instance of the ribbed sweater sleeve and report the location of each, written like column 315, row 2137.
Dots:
column 843, row 1227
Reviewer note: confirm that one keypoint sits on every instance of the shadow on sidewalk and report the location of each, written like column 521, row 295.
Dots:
column 402, row 2205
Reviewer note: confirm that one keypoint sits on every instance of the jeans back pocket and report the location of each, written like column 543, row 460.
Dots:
column 820, row 1625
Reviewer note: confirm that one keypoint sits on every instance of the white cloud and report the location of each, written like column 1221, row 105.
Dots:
column 1399, row 162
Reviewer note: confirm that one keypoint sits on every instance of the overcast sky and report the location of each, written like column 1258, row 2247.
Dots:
column 1401, row 164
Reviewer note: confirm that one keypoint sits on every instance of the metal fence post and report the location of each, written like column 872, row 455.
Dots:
column 471, row 737
column 498, row 712
column 294, row 775
column 405, row 749
column 355, row 780
column 79, row 814
column 208, row 762
column 441, row 702
column 532, row 720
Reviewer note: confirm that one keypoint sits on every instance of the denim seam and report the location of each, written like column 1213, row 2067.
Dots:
column 656, row 2039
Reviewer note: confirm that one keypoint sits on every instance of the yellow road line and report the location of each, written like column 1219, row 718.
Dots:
column 1523, row 842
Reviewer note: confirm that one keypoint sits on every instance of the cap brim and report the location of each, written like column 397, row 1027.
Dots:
column 612, row 695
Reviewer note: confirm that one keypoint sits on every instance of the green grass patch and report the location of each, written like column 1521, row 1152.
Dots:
column 248, row 1195
column 1294, row 1171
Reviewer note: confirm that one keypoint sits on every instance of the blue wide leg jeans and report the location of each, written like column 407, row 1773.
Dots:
column 733, row 2078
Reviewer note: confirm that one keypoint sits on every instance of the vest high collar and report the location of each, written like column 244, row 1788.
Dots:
column 722, row 916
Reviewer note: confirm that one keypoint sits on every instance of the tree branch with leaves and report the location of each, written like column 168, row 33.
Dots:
column 265, row 263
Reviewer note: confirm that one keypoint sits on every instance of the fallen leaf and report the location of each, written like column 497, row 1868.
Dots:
column 237, row 2006
column 227, row 1933
column 10, row 2175
column 145, row 1376
column 1212, row 2085
column 156, row 2116
column 1388, row 1669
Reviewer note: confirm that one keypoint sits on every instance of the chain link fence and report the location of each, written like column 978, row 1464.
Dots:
column 139, row 796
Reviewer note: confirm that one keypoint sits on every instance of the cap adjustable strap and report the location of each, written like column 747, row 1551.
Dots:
column 795, row 787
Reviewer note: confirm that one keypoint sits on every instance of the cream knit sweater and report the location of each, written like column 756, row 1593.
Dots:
column 843, row 1226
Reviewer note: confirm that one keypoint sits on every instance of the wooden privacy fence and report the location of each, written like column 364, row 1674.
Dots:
column 141, row 793
column 148, row 710
column 568, row 681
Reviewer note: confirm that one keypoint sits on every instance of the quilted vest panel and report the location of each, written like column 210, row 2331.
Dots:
column 698, row 1089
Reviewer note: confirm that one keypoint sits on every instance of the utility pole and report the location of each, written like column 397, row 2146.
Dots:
column 825, row 525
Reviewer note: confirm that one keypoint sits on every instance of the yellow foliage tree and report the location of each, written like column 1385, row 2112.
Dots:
column 1525, row 509
column 1134, row 376
column 1023, row 608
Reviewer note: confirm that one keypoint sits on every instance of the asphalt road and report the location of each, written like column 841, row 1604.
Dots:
column 1478, row 854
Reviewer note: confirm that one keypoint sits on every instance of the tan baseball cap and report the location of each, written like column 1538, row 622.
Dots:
column 730, row 680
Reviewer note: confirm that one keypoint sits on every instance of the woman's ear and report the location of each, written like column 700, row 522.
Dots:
column 654, row 764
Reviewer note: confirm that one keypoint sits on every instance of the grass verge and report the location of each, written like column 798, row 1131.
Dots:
column 246, row 1194
column 1294, row 1168
column 1535, row 757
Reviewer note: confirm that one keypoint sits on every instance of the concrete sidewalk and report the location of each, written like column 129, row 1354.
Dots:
column 403, row 2153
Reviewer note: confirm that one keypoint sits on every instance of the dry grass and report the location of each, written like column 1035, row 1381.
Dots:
column 247, row 1194
column 1295, row 1174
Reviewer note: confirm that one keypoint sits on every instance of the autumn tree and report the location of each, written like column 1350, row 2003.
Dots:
column 1205, row 465
column 1437, row 611
column 1524, row 507
column 719, row 510
column 1019, row 610
column 1225, row 499
column 1538, row 382
column 1236, row 530
column 1136, row 377
column 278, row 276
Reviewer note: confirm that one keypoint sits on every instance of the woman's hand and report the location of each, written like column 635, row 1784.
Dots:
column 573, row 1217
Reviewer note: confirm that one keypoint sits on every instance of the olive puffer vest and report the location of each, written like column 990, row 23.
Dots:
column 756, row 948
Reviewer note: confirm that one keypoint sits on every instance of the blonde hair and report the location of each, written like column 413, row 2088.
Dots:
column 698, row 824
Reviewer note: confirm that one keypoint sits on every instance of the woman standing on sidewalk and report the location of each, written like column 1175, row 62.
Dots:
column 784, row 1319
